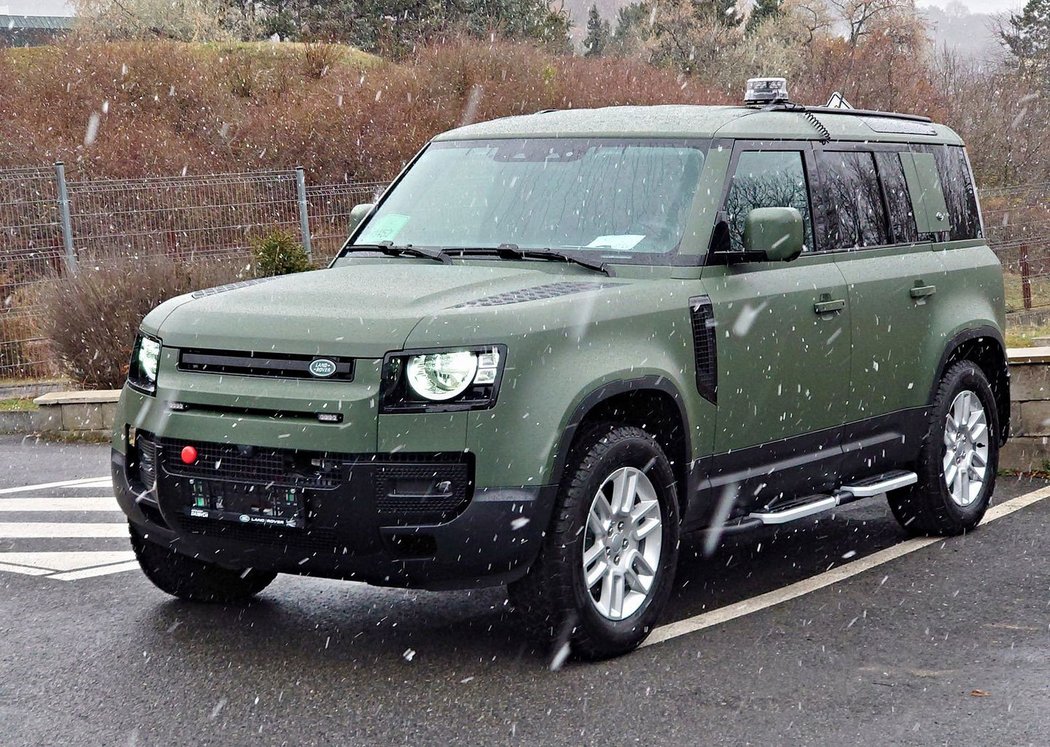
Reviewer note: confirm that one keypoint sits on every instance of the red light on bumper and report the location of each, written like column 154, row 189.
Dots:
column 189, row 455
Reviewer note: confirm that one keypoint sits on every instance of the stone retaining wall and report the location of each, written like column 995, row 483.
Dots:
column 1028, row 449
column 76, row 414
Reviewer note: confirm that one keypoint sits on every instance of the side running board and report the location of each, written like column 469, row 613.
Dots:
column 867, row 488
column 880, row 484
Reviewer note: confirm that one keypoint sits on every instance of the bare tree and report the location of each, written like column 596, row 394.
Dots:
column 858, row 15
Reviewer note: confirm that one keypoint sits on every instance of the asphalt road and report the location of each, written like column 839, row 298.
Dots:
column 949, row 644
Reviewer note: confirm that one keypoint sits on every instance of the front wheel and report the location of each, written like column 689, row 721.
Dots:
column 195, row 580
column 607, row 565
column 959, row 459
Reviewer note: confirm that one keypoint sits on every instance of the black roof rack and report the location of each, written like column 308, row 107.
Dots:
column 789, row 106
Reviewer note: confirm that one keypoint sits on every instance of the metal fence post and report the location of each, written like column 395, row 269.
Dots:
column 304, row 216
column 1026, row 277
column 67, row 223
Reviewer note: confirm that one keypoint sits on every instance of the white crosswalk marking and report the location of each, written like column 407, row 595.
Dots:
column 66, row 561
column 90, row 482
column 59, row 530
column 105, row 570
column 51, row 513
column 59, row 504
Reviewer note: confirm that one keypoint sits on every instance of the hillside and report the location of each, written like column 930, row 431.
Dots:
column 162, row 108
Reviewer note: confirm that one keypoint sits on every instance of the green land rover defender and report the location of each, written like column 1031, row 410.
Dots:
column 558, row 342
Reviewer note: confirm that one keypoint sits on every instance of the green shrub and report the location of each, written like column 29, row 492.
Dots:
column 279, row 253
column 92, row 318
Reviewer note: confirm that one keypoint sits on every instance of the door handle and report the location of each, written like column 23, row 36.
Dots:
column 922, row 290
column 829, row 305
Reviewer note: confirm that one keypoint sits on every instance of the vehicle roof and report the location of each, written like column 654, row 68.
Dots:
column 687, row 121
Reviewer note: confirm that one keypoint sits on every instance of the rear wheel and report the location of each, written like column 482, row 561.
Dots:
column 960, row 456
column 195, row 580
column 607, row 565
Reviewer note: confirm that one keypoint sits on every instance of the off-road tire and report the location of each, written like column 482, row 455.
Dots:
column 927, row 508
column 552, row 597
column 195, row 580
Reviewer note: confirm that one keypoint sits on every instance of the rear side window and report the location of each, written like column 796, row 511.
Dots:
column 767, row 178
column 903, row 229
column 854, row 215
column 958, row 191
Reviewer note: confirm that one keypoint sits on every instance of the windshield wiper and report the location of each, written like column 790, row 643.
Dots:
column 391, row 249
column 513, row 251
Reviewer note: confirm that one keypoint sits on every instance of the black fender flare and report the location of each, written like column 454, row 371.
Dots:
column 613, row 389
column 1000, row 383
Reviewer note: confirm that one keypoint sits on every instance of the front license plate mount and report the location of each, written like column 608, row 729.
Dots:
column 253, row 505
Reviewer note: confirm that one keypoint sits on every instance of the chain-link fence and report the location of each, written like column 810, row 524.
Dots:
column 1017, row 220
column 49, row 226
column 31, row 248
column 329, row 208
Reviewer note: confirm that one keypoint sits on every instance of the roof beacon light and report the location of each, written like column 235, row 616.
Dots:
column 766, row 90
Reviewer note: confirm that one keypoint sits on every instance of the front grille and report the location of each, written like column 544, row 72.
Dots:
column 252, row 464
column 345, row 497
column 272, row 365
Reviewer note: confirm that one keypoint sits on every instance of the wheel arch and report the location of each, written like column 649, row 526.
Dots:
column 985, row 348
column 649, row 402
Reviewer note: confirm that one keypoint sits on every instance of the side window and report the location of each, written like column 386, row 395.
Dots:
column 854, row 215
column 903, row 229
column 767, row 178
column 958, row 192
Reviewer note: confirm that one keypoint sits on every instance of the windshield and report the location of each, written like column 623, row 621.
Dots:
column 610, row 198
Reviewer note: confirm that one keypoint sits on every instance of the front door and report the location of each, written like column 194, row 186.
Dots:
column 783, row 344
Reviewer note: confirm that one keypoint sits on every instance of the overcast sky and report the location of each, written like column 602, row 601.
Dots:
column 36, row 7
column 977, row 6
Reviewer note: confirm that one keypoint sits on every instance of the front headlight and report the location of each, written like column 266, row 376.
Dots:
column 145, row 360
column 442, row 380
column 441, row 376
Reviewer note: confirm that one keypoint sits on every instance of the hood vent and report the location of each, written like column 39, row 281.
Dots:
column 536, row 293
column 228, row 287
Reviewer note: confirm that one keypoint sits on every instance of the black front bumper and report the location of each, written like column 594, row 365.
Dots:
column 353, row 530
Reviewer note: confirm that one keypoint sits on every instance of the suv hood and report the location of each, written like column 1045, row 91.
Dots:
column 361, row 309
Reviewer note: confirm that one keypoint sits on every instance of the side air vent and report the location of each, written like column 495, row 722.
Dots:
column 537, row 293
column 703, row 320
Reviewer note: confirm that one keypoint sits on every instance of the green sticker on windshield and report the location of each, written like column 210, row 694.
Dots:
column 384, row 228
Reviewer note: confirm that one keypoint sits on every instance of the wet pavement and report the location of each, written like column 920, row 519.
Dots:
column 947, row 644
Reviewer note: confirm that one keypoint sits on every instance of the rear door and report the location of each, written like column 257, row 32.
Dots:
column 878, row 211
column 783, row 340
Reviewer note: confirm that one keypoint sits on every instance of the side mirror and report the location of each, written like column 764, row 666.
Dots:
column 357, row 214
column 775, row 231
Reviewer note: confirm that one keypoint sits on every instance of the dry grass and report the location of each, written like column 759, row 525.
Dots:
column 1040, row 288
column 164, row 107
column 17, row 405
column 93, row 317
